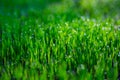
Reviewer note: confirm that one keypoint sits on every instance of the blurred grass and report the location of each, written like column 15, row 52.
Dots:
column 90, row 8
column 65, row 39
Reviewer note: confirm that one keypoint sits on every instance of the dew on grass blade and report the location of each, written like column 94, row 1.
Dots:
column 106, row 28
column 74, row 31
column 119, row 54
column 39, row 26
column 107, row 46
column 100, row 48
column 66, row 23
column 83, row 18
column 85, row 34
column 59, row 31
column 53, row 44
column 30, row 30
column 88, row 19
column 106, row 32
column 82, row 66
column 107, row 23
column 103, row 28
column 109, row 28
column 97, row 38
column 119, row 28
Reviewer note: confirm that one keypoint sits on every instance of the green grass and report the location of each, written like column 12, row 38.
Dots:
column 59, row 41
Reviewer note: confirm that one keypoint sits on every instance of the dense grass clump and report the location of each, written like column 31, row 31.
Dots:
column 59, row 41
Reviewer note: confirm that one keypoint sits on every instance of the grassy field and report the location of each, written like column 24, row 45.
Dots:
column 59, row 40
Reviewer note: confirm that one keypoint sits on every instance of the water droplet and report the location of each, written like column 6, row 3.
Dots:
column 66, row 23
column 73, row 21
column 109, row 28
column 119, row 28
column 88, row 19
column 84, row 34
column 39, row 25
column 106, row 32
column 103, row 28
column 107, row 23
column 53, row 44
column 82, row 66
column 98, row 38
column 119, row 54
column 30, row 30
column 83, row 18
column 107, row 46
column 59, row 31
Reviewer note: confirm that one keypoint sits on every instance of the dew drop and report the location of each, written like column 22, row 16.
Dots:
column 119, row 54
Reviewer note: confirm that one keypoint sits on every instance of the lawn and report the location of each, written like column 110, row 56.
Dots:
column 59, row 40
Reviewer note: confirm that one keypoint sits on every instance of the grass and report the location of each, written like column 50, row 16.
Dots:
column 68, row 43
